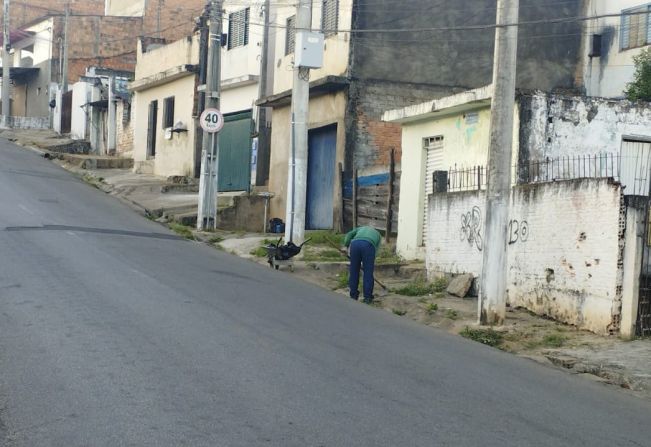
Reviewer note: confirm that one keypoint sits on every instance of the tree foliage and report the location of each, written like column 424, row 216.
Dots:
column 640, row 88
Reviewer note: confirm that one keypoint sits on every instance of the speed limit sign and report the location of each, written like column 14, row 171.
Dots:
column 212, row 121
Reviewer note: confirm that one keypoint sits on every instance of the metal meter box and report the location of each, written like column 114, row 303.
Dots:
column 309, row 49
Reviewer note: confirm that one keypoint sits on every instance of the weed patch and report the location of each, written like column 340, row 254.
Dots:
column 324, row 237
column 215, row 240
column 451, row 314
column 182, row 230
column 488, row 337
column 439, row 285
column 554, row 340
column 432, row 308
column 259, row 252
column 399, row 312
column 416, row 288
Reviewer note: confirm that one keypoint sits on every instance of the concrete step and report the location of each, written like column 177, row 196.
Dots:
column 97, row 162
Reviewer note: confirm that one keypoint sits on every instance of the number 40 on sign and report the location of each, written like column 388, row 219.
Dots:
column 212, row 121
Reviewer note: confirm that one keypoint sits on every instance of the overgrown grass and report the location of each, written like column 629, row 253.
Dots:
column 422, row 288
column 215, row 240
column 488, row 337
column 451, row 314
column 313, row 254
column 554, row 340
column 432, row 308
column 324, row 237
column 182, row 230
column 387, row 255
column 259, row 252
column 440, row 285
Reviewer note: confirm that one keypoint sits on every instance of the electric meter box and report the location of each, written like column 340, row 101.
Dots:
column 309, row 49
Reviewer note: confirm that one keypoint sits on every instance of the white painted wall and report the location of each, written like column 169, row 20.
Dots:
column 81, row 96
column 563, row 260
column 174, row 156
column 582, row 125
column 608, row 75
column 337, row 47
column 466, row 136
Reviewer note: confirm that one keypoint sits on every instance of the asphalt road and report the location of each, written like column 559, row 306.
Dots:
column 115, row 333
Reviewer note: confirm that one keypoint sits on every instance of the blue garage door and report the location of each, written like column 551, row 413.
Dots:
column 322, row 150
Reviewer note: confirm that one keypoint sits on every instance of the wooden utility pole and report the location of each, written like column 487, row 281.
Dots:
column 492, row 295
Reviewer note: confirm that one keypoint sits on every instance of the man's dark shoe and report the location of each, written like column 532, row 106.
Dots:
column 368, row 300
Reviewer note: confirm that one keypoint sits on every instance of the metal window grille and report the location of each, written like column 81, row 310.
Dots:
column 290, row 35
column 168, row 112
column 330, row 17
column 126, row 113
column 634, row 29
column 238, row 28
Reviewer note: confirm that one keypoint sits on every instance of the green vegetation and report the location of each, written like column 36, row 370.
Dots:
column 432, row 308
column 259, row 252
column 399, row 312
column 440, row 284
column 418, row 287
column 451, row 314
column 182, row 230
column 640, row 88
column 324, row 237
column 387, row 255
column 554, row 340
column 215, row 240
column 313, row 254
column 488, row 337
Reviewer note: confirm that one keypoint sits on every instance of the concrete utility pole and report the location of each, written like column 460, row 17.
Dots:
column 492, row 295
column 6, row 65
column 208, row 183
column 297, row 174
column 64, row 69
column 112, row 117
column 261, row 122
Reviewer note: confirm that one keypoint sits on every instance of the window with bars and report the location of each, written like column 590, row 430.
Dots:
column 290, row 35
column 635, row 29
column 330, row 17
column 168, row 112
column 238, row 28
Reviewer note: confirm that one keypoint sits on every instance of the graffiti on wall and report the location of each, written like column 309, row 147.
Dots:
column 518, row 231
column 471, row 228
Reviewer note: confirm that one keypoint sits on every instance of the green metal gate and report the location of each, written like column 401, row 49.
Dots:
column 235, row 152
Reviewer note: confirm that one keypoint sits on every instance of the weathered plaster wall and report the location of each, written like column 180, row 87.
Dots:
column 337, row 47
column 565, row 251
column 608, row 74
column 554, row 126
column 324, row 110
column 466, row 136
column 464, row 58
column 174, row 156
column 125, row 130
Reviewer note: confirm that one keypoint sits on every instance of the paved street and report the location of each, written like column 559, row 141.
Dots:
column 113, row 332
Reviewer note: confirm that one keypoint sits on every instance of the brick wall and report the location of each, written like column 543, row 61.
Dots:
column 565, row 247
column 371, row 138
column 110, row 42
column 124, row 129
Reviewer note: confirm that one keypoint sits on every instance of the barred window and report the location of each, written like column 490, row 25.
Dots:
column 635, row 29
column 330, row 17
column 238, row 28
column 290, row 35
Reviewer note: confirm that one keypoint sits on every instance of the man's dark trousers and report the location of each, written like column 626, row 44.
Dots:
column 362, row 254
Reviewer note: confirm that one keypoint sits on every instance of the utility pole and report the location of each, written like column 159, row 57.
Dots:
column 6, row 65
column 208, row 183
column 262, row 130
column 492, row 295
column 112, row 117
column 297, row 178
column 64, row 69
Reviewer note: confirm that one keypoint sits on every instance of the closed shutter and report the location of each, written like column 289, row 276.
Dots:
column 238, row 29
column 330, row 17
column 290, row 35
column 434, row 162
column 635, row 167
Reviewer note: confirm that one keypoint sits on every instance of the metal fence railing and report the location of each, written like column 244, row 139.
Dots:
column 633, row 171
